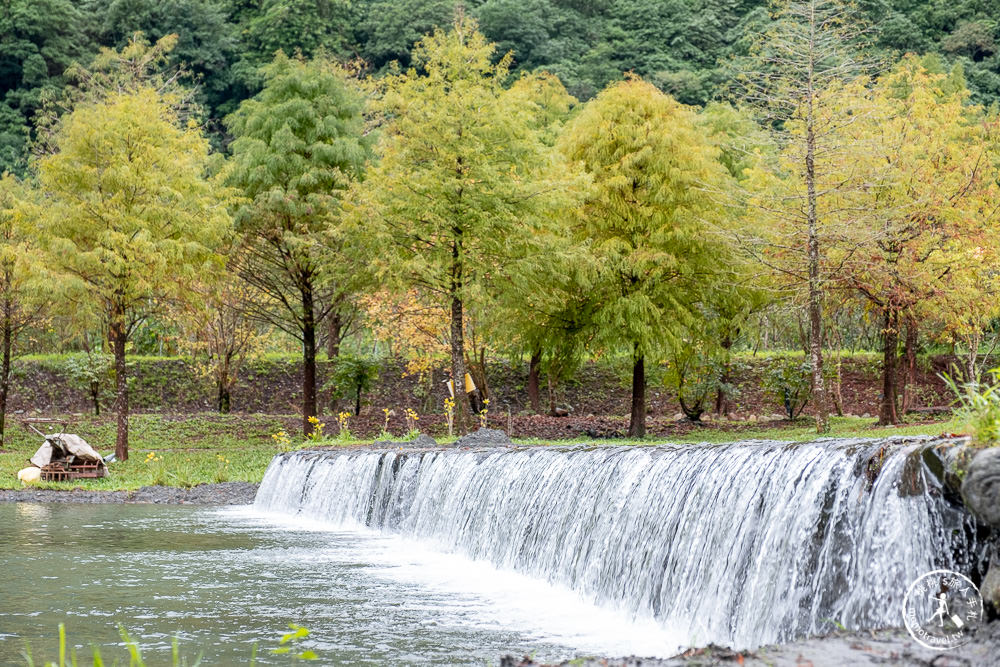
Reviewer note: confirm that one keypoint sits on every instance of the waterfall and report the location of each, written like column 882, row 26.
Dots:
column 739, row 544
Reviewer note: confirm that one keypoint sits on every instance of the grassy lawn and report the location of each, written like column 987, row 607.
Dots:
column 185, row 450
column 181, row 450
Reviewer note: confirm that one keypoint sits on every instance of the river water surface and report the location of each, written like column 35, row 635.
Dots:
column 224, row 579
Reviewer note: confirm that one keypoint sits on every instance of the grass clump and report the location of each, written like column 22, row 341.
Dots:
column 289, row 647
column 979, row 407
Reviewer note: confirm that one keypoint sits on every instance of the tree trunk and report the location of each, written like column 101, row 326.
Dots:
column 308, row 358
column 428, row 405
column 458, row 337
column 971, row 374
column 534, row 366
column 333, row 335
column 8, row 344
column 637, row 420
column 118, row 338
column 550, row 379
column 721, row 397
column 482, row 383
column 909, row 365
column 95, row 396
column 887, row 413
column 815, row 284
column 836, row 395
column 357, row 402
column 225, row 401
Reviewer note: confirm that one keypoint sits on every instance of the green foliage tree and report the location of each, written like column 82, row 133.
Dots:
column 309, row 27
column 206, row 47
column 221, row 335
column 91, row 370
column 463, row 183
column 390, row 28
column 40, row 39
column 129, row 217
column 298, row 146
column 21, row 279
column 693, row 373
column 137, row 67
column 645, row 221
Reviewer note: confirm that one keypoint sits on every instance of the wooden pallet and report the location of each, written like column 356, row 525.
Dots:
column 62, row 472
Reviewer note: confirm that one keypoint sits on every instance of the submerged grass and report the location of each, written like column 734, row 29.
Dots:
column 187, row 450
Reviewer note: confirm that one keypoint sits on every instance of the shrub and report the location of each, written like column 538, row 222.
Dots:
column 694, row 373
column 352, row 377
column 789, row 381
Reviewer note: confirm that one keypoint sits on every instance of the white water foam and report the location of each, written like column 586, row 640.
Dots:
column 742, row 545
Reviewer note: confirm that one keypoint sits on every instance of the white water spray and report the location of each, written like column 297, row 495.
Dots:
column 742, row 544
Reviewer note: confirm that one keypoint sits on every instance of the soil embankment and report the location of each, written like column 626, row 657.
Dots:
column 273, row 386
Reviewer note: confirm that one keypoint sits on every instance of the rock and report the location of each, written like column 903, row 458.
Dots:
column 981, row 487
column 29, row 475
column 421, row 441
column 752, row 418
column 990, row 586
column 484, row 437
column 678, row 417
column 866, row 416
column 559, row 412
column 941, row 461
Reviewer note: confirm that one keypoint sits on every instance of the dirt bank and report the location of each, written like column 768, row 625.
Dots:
column 273, row 386
column 225, row 493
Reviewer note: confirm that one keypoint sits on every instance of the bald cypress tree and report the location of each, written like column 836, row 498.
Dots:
column 129, row 219
column 464, row 180
column 646, row 221
column 299, row 145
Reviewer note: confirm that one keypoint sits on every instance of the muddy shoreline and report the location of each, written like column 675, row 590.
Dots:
column 224, row 493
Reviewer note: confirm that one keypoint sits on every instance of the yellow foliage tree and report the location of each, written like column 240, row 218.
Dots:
column 130, row 219
column 923, row 244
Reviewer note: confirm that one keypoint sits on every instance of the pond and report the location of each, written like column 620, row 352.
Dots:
column 223, row 579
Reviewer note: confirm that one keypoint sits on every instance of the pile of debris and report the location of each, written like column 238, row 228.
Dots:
column 62, row 457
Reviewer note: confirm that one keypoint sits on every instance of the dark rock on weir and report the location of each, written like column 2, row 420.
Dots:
column 941, row 460
column 484, row 437
column 990, row 585
column 420, row 442
column 981, row 487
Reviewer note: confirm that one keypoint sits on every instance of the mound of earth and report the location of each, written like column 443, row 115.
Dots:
column 484, row 437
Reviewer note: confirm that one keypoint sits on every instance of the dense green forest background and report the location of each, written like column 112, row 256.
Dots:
column 685, row 47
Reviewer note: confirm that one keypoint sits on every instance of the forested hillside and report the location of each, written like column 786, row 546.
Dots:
column 688, row 48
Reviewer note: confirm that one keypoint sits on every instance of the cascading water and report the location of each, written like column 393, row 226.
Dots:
column 741, row 544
